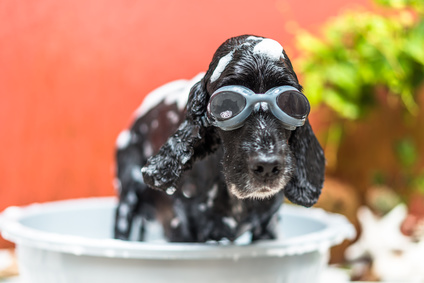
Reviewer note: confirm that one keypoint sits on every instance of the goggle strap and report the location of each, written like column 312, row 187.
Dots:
column 206, row 122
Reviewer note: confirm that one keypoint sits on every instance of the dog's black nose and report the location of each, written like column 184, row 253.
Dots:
column 266, row 166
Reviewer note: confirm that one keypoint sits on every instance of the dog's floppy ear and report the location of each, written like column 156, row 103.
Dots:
column 305, row 186
column 192, row 140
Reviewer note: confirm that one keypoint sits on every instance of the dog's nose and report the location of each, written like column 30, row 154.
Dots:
column 266, row 166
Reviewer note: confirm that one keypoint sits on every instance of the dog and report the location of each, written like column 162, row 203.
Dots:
column 218, row 164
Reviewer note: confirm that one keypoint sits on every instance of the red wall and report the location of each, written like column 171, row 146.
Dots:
column 73, row 71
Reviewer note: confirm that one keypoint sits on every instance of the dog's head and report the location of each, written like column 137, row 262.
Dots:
column 250, row 103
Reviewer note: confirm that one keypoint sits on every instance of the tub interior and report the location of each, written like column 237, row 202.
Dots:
column 95, row 221
column 87, row 222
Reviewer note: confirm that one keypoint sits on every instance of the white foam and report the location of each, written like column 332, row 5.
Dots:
column 252, row 37
column 212, row 195
column 136, row 174
column 132, row 197
column 173, row 117
column 154, row 124
column 171, row 190
column 175, row 222
column 230, row 222
column 222, row 64
column 172, row 92
column 147, row 149
column 158, row 95
column 180, row 98
column 123, row 139
column 270, row 48
column 251, row 40
column 124, row 209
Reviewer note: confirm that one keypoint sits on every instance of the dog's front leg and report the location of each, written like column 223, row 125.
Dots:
column 267, row 230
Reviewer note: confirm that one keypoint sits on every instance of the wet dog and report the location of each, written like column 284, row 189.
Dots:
column 214, row 161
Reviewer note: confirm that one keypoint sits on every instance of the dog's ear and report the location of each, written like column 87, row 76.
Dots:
column 305, row 186
column 192, row 140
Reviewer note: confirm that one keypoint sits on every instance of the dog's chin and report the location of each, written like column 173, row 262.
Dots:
column 255, row 193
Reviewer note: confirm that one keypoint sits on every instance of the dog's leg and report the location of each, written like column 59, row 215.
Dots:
column 130, row 186
column 124, row 216
column 177, row 228
column 142, row 229
column 266, row 230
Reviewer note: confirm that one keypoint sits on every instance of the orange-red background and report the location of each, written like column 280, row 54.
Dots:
column 73, row 71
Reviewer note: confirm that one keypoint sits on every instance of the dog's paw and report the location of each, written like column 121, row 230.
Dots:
column 161, row 173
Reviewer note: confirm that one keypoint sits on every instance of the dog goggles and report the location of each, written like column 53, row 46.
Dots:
column 230, row 106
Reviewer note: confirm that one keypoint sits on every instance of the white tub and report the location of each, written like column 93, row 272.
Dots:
column 70, row 242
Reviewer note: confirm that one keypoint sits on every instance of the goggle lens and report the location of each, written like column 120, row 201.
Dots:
column 294, row 104
column 227, row 105
column 231, row 105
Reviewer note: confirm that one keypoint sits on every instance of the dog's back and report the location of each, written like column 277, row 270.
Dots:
column 154, row 121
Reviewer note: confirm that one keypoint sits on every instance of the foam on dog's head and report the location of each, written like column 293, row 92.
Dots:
column 222, row 64
column 270, row 48
column 262, row 46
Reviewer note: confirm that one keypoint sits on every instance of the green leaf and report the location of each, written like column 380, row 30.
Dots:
column 345, row 108
column 361, row 50
column 406, row 152
column 314, row 88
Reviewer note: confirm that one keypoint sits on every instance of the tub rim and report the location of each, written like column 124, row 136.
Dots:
column 337, row 229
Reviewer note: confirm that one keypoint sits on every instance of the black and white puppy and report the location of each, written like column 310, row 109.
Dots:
column 218, row 163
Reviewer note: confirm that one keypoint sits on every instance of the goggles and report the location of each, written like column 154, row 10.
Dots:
column 230, row 106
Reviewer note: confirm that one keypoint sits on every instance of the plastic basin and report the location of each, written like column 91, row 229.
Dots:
column 71, row 242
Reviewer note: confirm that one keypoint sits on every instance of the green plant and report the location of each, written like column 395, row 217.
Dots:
column 368, row 67
column 362, row 51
